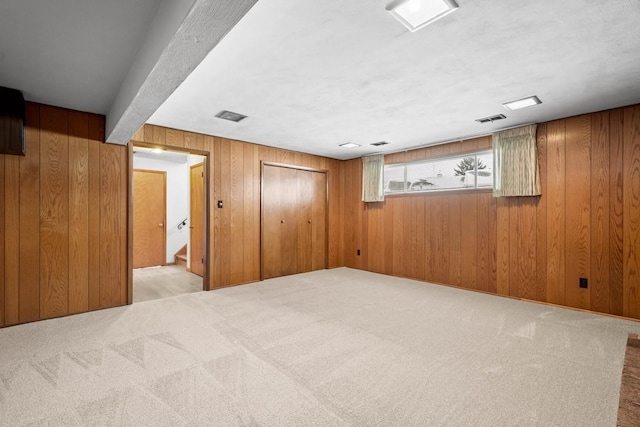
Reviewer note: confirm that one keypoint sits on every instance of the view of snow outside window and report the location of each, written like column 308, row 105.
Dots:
column 452, row 173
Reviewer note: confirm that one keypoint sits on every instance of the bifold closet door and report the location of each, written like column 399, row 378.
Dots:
column 293, row 221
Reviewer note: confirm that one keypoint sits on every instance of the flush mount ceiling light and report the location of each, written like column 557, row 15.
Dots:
column 522, row 103
column 415, row 14
column 379, row 144
column 230, row 115
column 349, row 145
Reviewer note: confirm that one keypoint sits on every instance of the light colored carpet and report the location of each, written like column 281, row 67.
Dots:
column 333, row 347
column 629, row 408
column 163, row 281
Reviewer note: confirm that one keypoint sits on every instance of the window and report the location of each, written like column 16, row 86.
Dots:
column 460, row 172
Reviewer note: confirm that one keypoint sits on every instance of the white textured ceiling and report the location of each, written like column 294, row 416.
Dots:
column 314, row 74
column 121, row 58
column 71, row 53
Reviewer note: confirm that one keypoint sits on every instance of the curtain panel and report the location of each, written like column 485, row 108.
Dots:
column 515, row 163
column 372, row 178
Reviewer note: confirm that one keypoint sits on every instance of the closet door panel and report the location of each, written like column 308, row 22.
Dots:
column 319, row 221
column 305, row 188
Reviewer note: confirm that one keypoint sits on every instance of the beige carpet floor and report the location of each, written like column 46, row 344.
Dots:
column 163, row 281
column 328, row 348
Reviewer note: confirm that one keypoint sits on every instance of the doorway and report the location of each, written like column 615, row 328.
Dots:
column 196, row 211
column 169, row 222
column 293, row 220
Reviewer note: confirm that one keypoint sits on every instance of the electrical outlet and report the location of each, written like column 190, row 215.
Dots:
column 584, row 282
column 358, row 252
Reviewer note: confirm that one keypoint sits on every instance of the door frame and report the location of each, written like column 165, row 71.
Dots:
column 164, row 213
column 190, row 269
column 326, row 206
column 208, row 238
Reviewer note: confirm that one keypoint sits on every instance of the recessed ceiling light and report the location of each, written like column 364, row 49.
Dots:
column 522, row 103
column 349, row 145
column 415, row 14
column 230, row 115
column 379, row 144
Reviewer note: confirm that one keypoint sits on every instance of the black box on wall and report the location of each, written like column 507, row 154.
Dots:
column 12, row 112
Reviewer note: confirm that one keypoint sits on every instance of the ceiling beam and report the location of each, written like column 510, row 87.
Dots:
column 181, row 35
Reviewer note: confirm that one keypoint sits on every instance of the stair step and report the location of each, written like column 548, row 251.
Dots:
column 181, row 259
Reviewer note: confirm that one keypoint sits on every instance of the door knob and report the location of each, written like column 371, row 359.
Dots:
column 161, row 225
column 282, row 221
column 309, row 221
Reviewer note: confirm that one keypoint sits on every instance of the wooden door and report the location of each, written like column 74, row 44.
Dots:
column 149, row 208
column 319, row 221
column 293, row 220
column 304, row 238
column 196, row 218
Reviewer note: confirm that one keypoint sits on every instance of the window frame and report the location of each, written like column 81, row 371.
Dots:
column 474, row 189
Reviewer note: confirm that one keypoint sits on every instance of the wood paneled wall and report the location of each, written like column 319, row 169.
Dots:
column 235, row 179
column 442, row 237
column 585, row 224
column 63, row 219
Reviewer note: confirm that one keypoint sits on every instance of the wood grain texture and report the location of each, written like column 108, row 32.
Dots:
column 578, row 209
column 96, row 136
column 270, row 221
column 417, row 233
column 222, row 251
column 609, row 146
column 12, row 239
column 149, row 218
column 502, row 248
column 453, row 221
column 527, row 248
column 514, row 262
column 599, row 280
column 112, row 253
column 541, row 217
column 483, row 251
column 78, row 212
column 175, row 138
column 237, row 209
column 250, row 213
column 394, row 260
column 294, row 219
column 196, row 215
column 556, row 201
column 469, row 240
column 585, row 224
column 631, row 213
column 158, row 135
column 375, row 238
column 335, row 209
column 319, row 220
column 54, row 241
column 30, row 219
column 616, row 220
column 54, row 212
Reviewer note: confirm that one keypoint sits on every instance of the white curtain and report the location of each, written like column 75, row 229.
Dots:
column 515, row 163
column 372, row 178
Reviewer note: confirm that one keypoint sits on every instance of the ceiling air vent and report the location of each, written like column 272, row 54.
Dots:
column 230, row 115
column 379, row 144
column 491, row 119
